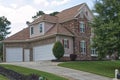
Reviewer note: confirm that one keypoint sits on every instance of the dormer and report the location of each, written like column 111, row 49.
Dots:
column 41, row 25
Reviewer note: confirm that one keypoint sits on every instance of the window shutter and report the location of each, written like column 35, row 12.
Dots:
column 63, row 42
column 79, row 47
column 68, row 43
column 85, row 46
column 85, row 26
column 79, row 28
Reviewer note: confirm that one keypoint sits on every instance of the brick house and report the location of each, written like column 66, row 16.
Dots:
column 70, row 27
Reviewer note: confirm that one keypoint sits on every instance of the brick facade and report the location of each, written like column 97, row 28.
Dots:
column 73, row 26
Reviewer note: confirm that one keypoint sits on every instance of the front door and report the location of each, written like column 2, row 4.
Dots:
column 26, row 55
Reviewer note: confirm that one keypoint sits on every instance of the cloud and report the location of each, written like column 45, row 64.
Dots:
column 57, row 3
column 18, row 16
column 41, row 2
column 14, row 5
column 47, row 3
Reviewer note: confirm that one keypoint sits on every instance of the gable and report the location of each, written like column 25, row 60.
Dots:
column 85, row 12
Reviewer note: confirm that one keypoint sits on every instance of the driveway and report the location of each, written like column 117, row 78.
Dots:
column 52, row 67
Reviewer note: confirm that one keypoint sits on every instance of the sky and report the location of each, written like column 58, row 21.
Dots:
column 20, row 11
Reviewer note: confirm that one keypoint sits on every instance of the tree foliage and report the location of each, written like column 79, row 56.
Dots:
column 4, row 27
column 58, row 50
column 106, row 26
column 39, row 13
column 54, row 13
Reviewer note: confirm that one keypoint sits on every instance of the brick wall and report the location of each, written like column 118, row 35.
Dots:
column 73, row 26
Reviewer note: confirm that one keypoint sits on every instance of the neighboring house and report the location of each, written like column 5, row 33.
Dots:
column 70, row 27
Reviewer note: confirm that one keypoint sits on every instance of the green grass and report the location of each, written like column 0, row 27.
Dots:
column 104, row 68
column 3, row 78
column 28, row 71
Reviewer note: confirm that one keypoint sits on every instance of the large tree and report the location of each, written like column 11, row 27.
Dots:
column 4, row 27
column 39, row 13
column 106, row 26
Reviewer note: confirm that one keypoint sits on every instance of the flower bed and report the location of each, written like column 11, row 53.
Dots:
column 12, row 75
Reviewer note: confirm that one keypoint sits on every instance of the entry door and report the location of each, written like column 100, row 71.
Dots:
column 26, row 55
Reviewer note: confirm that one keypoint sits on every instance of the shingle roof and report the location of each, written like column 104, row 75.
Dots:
column 69, row 14
column 22, row 35
column 63, row 16
column 58, row 29
column 45, row 17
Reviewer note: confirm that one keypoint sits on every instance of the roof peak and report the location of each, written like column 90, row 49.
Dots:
column 73, row 7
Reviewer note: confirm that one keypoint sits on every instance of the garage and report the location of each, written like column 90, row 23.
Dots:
column 43, row 52
column 14, row 54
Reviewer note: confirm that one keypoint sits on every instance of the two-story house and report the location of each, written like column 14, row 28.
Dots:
column 70, row 27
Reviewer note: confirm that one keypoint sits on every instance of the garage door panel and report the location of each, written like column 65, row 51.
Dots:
column 43, row 52
column 14, row 54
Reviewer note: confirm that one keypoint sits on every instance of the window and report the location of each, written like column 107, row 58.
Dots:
column 93, row 52
column 41, row 28
column 32, row 31
column 83, row 47
column 82, row 27
column 66, row 43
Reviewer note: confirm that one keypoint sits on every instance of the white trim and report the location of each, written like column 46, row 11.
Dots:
column 83, row 47
column 80, row 10
column 43, row 27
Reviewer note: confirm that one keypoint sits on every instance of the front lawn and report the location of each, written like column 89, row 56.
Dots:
column 104, row 68
column 3, row 78
column 28, row 71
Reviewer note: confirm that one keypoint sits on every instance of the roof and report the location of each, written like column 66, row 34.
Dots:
column 58, row 29
column 22, row 35
column 63, row 16
column 69, row 14
column 47, row 18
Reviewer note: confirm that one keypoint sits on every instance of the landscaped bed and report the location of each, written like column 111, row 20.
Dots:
column 104, row 68
column 27, row 71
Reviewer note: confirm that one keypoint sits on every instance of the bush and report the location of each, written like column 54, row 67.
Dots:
column 12, row 75
column 73, row 57
column 58, row 50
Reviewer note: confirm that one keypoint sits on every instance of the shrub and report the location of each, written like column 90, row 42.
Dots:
column 12, row 75
column 73, row 57
column 58, row 50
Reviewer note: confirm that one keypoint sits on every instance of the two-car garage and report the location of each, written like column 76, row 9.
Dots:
column 43, row 52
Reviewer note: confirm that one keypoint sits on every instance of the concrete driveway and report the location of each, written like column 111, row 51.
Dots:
column 52, row 67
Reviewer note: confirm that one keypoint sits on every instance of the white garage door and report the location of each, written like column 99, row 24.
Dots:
column 43, row 52
column 14, row 54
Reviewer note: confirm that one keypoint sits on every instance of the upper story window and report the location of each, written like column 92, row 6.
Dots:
column 32, row 30
column 41, row 28
column 82, row 27
column 66, row 43
column 83, row 47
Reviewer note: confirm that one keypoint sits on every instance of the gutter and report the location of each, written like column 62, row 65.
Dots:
column 35, row 39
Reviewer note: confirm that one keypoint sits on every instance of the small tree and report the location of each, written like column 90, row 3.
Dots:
column 58, row 50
